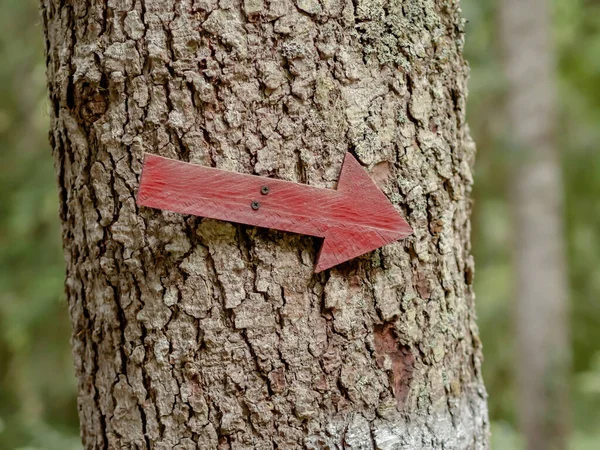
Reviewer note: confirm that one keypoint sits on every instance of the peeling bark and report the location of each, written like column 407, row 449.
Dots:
column 199, row 334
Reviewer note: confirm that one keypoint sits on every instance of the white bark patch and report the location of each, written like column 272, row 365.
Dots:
column 134, row 27
column 228, row 27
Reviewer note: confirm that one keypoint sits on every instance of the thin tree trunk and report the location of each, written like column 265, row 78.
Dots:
column 191, row 333
column 537, row 196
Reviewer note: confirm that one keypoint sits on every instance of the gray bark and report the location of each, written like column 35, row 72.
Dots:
column 537, row 197
column 191, row 333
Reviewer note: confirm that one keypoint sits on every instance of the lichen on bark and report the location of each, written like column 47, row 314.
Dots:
column 199, row 334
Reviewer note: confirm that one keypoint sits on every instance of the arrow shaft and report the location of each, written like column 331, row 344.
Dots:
column 203, row 191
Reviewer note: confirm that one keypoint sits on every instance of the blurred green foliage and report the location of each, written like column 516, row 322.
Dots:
column 37, row 387
column 577, row 45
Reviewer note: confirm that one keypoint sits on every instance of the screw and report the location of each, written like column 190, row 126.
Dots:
column 264, row 190
column 255, row 205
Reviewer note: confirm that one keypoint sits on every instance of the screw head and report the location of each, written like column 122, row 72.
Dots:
column 264, row 190
column 255, row 205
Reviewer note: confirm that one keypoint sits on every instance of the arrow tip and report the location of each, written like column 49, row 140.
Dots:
column 381, row 223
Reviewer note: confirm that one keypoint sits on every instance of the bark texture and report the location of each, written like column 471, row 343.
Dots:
column 537, row 197
column 199, row 334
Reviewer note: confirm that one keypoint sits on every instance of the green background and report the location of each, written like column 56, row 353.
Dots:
column 37, row 388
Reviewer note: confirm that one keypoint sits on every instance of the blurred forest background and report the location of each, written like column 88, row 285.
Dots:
column 37, row 387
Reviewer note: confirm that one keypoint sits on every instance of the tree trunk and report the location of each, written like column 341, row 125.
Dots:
column 537, row 197
column 191, row 333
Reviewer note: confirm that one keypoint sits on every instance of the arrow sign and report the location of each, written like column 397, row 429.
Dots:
column 354, row 219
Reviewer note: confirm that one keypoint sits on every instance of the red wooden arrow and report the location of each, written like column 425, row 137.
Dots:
column 354, row 219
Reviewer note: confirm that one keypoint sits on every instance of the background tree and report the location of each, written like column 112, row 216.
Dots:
column 575, row 37
column 191, row 333
column 537, row 197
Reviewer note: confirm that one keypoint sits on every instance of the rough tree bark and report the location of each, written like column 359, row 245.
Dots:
column 191, row 333
column 537, row 197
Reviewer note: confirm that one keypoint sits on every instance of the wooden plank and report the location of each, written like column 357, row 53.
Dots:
column 354, row 219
